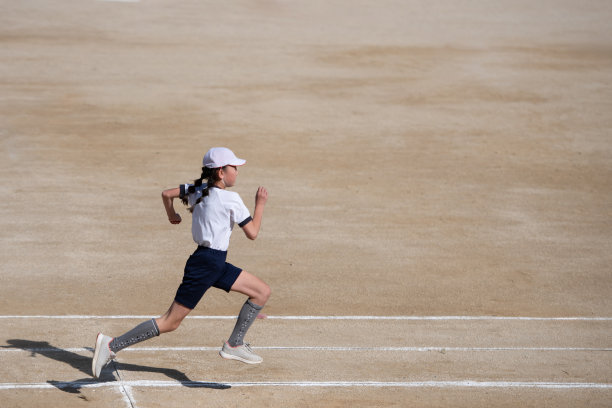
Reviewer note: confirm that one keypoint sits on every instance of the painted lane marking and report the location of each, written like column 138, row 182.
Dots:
column 126, row 391
column 312, row 348
column 406, row 384
column 527, row 318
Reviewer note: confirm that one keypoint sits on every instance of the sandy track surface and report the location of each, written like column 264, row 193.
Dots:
column 447, row 159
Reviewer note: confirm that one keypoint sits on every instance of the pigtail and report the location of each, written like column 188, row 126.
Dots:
column 191, row 189
column 211, row 176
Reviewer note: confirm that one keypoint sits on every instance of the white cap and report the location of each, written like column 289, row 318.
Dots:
column 220, row 157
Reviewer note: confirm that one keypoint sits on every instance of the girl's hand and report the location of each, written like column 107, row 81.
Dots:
column 251, row 229
column 261, row 197
column 176, row 219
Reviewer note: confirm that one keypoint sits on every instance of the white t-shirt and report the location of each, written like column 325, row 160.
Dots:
column 214, row 217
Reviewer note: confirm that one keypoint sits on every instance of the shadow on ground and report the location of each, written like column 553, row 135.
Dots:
column 110, row 374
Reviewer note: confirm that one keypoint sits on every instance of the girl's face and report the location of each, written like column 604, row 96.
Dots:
column 229, row 175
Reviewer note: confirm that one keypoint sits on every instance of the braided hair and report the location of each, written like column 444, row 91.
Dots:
column 211, row 176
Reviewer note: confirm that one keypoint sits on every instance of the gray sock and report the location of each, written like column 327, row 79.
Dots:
column 142, row 332
column 247, row 316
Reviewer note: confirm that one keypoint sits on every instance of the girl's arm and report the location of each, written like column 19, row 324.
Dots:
column 252, row 228
column 167, row 197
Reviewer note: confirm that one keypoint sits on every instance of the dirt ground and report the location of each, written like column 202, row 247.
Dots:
column 423, row 159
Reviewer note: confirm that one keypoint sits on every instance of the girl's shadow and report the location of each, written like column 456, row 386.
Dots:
column 83, row 364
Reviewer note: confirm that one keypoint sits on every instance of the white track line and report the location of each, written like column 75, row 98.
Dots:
column 126, row 391
column 575, row 318
column 315, row 348
column 380, row 384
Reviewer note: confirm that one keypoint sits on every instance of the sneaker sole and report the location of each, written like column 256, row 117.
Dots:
column 96, row 353
column 233, row 357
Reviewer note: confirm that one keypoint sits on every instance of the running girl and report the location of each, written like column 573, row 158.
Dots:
column 214, row 210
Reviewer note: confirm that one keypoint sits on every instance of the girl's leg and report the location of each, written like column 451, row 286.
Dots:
column 172, row 319
column 150, row 328
column 259, row 293
column 106, row 346
column 256, row 289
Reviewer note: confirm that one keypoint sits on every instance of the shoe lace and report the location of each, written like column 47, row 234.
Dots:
column 248, row 347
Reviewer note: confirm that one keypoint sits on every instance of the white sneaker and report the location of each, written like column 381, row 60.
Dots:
column 103, row 354
column 241, row 353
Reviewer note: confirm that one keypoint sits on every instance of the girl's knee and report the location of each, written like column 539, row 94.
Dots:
column 166, row 326
column 174, row 325
column 172, row 319
column 266, row 291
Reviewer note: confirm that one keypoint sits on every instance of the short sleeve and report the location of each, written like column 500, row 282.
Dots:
column 240, row 214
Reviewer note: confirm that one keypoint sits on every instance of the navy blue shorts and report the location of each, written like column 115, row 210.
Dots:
column 206, row 267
